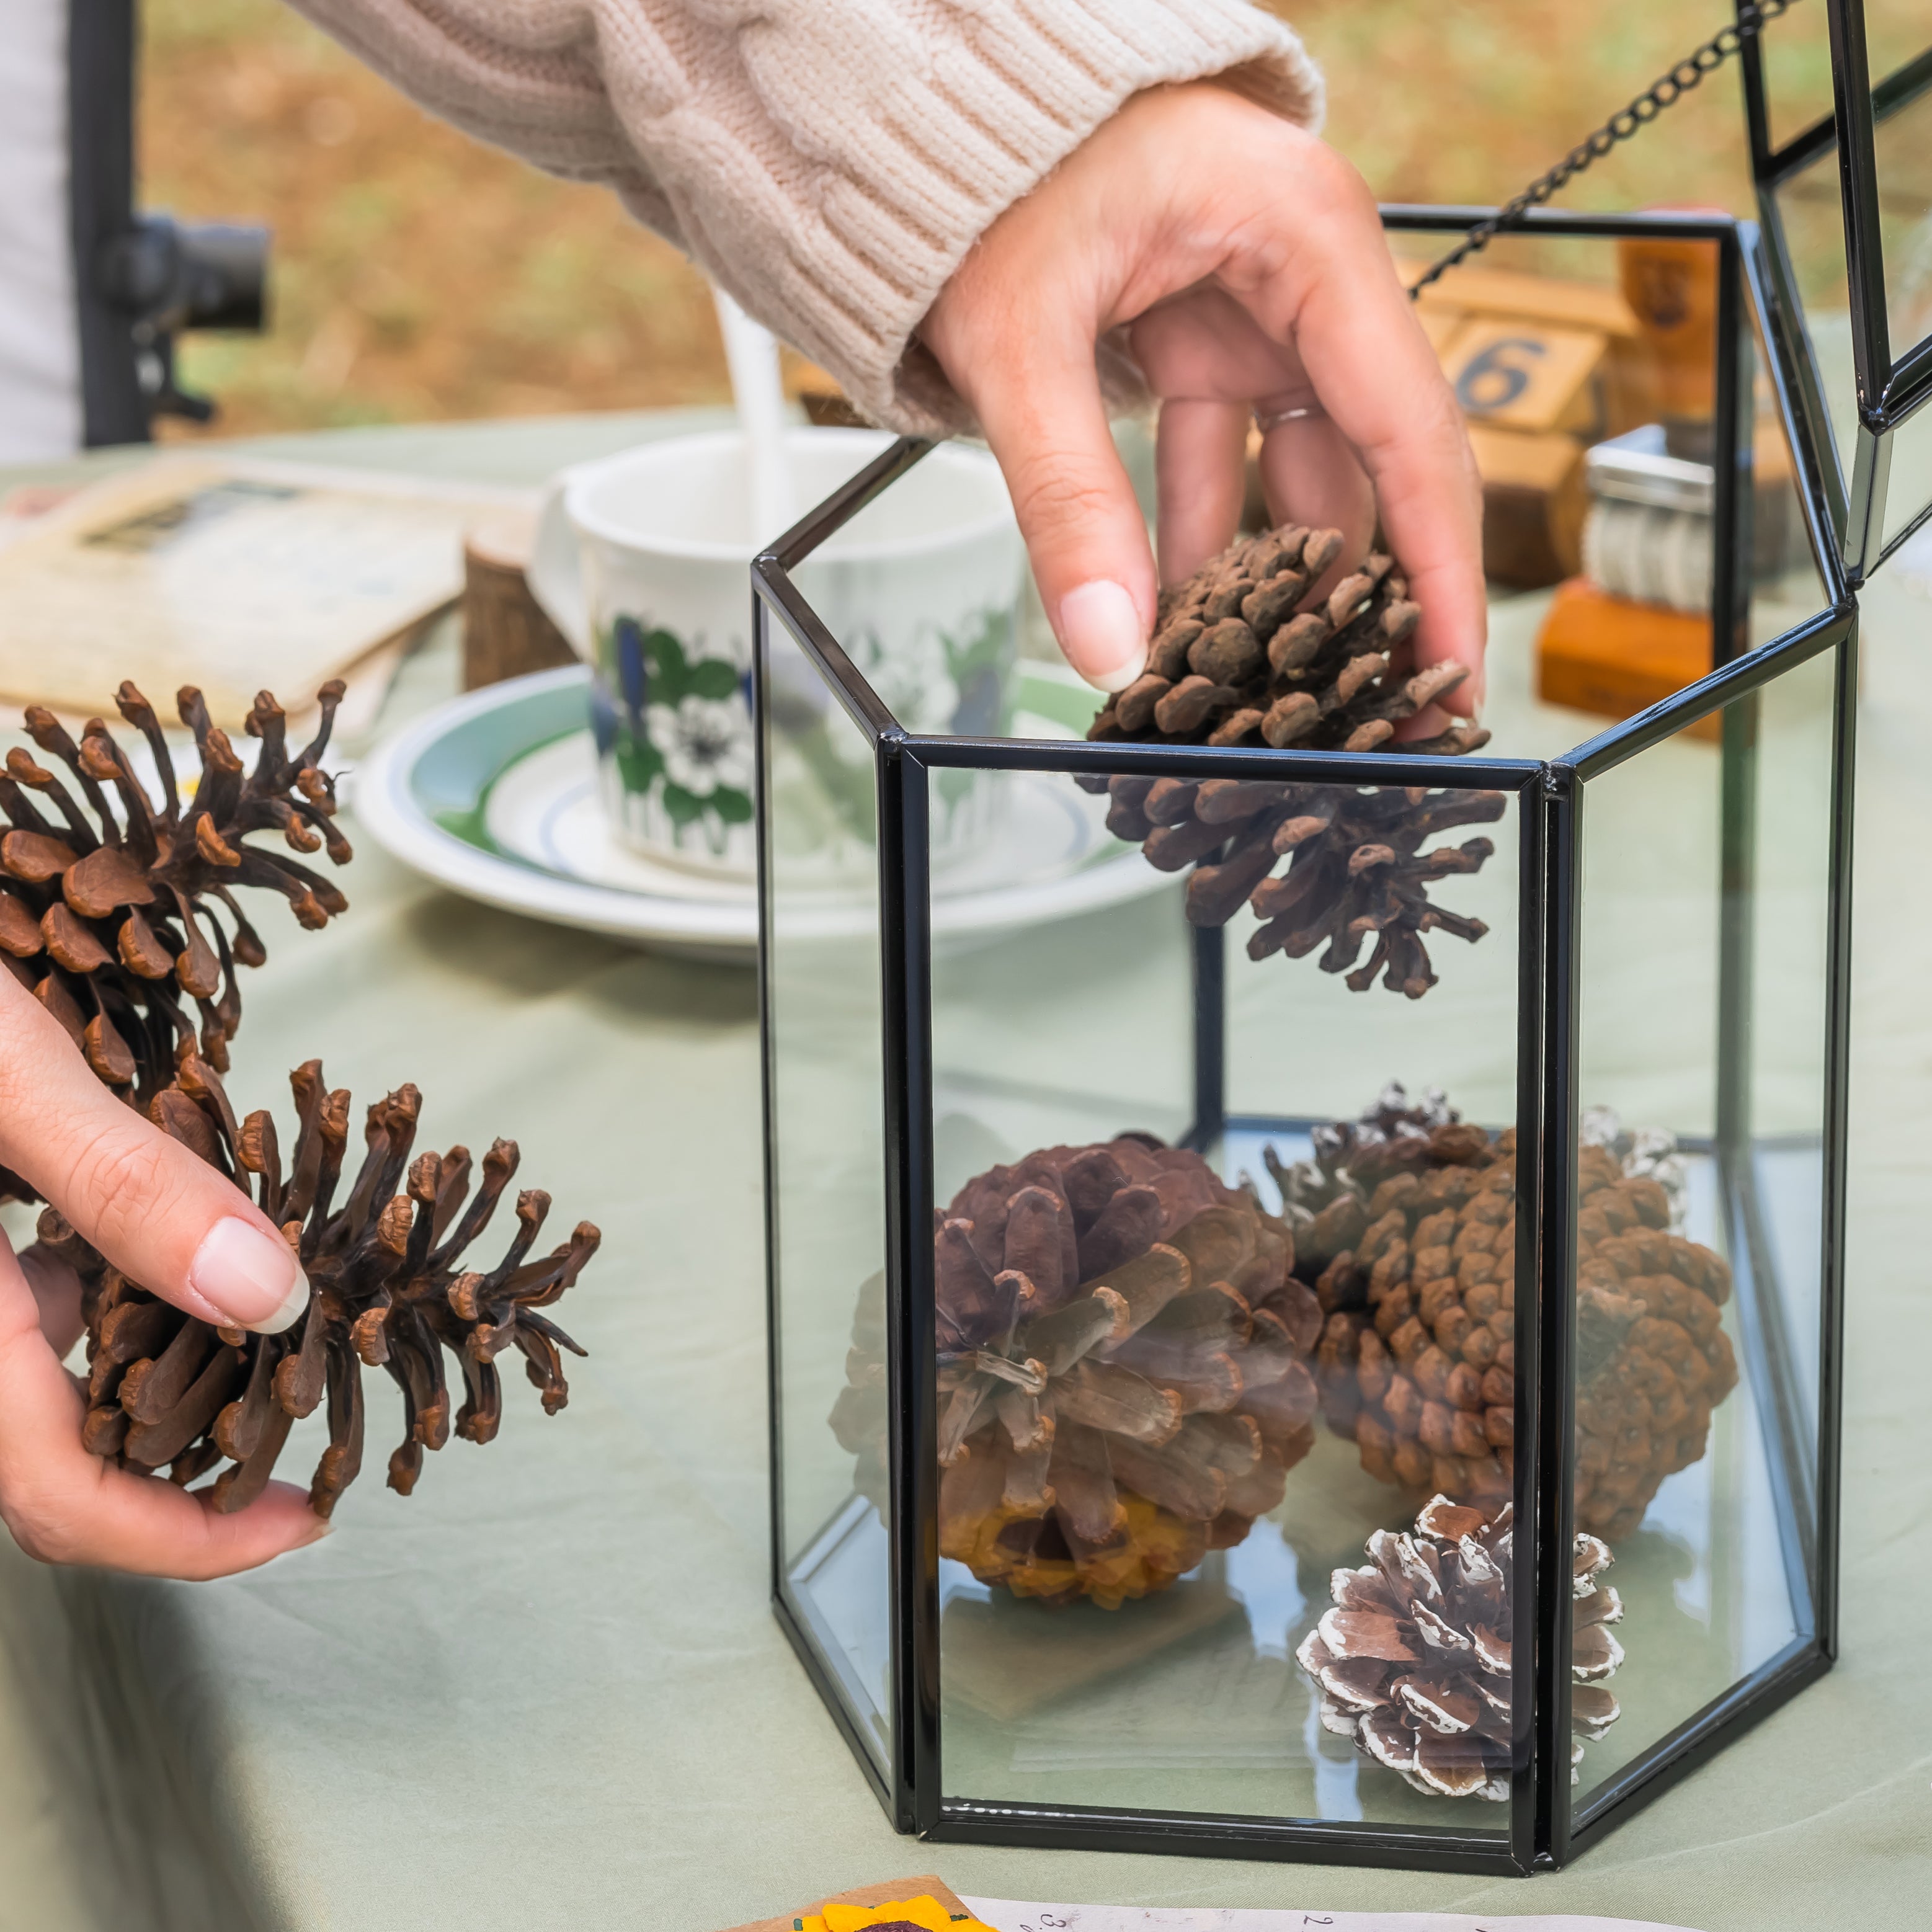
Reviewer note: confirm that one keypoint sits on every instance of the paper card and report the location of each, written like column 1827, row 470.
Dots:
column 1007, row 1915
column 233, row 575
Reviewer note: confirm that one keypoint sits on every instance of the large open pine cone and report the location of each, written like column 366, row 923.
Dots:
column 110, row 913
column 387, row 1289
column 1123, row 1370
column 1413, row 1662
column 1411, row 1253
column 1234, row 662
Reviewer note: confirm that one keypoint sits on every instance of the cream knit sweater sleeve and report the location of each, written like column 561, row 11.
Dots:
column 829, row 162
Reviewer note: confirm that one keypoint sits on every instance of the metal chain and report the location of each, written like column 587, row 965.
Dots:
column 1665, row 92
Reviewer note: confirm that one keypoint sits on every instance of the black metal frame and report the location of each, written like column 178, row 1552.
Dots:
column 1551, row 808
column 1890, row 387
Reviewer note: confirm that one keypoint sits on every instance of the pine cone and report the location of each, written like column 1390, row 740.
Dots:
column 1233, row 664
column 1123, row 1370
column 1412, row 1258
column 1235, row 660
column 1413, row 1662
column 388, row 1290
column 109, row 912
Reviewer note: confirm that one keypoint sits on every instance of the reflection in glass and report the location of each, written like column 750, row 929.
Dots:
column 1705, row 913
column 827, row 1176
column 1149, row 1471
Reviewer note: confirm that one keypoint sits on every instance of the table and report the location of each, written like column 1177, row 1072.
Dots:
column 548, row 1691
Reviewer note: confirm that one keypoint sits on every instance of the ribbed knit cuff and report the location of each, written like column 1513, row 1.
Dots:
column 923, row 170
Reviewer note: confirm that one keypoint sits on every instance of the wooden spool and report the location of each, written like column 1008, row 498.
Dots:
column 506, row 631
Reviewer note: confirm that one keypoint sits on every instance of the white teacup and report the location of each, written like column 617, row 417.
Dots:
column 643, row 561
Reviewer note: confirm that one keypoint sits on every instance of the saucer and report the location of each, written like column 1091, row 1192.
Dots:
column 494, row 795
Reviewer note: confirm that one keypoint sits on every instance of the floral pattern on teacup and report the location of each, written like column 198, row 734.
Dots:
column 676, row 723
column 679, row 731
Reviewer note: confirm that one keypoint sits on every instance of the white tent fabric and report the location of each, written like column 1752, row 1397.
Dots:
column 39, row 345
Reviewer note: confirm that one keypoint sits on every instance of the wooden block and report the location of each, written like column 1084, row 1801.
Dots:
column 1441, row 324
column 1517, row 374
column 506, row 631
column 1507, row 292
column 1534, row 499
column 926, row 1886
column 1672, row 288
column 1597, row 653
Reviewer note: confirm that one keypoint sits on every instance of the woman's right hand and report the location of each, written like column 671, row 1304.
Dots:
column 167, row 1220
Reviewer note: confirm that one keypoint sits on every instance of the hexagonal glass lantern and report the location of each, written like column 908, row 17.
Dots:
column 1845, row 198
column 1183, row 1438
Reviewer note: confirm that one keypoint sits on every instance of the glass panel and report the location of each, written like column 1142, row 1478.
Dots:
column 1902, row 145
column 1909, row 487
column 1144, row 1315
column 1811, row 210
column 1786, row 585
column 828, row 1174
column 1587, row 368
column 1895, row 32
column 1706, row 922
column 923, row 590
column 1798, row 58
column 1797, row 71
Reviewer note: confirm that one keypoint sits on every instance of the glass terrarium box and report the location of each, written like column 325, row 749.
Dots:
column 1305, row 1262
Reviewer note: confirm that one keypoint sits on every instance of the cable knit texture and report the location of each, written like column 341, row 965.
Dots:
column 829, row 162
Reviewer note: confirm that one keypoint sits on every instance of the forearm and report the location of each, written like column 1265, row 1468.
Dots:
column 830, row 162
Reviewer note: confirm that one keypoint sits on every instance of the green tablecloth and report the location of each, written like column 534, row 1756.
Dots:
column 548, row 1691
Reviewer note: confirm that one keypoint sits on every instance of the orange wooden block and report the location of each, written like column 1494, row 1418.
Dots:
column 1597, row 653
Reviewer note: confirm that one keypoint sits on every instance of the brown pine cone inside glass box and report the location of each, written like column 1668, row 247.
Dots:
column 1408, row 1241
column 1123, row 1374
column 1236, row 661
column 1414, row 1660
column 118, row 911
column 390, row 1290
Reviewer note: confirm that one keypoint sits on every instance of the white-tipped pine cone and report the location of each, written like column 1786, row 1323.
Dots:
column 1414, row 1660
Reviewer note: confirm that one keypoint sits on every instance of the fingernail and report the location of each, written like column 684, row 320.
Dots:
column 1100, row 631
column 250, row 1276
column 324, row 1526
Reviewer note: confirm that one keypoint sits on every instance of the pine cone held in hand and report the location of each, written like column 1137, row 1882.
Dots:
column 110, row 911
column 1234, row 662
column 1413, row 1661
column 388, row 1290
column 1122, row 1371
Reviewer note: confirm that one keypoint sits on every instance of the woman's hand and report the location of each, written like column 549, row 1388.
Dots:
column 165, row 1217
column 1248, row 263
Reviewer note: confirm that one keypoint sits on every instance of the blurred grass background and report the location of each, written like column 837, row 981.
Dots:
column 417, row 275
